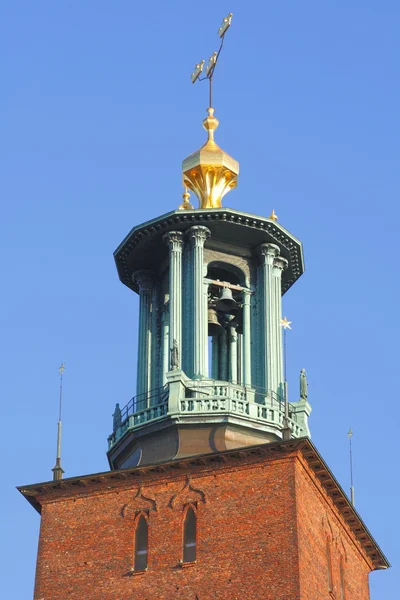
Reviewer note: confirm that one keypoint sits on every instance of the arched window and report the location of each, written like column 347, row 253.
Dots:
column 225, row 320
column 189, row 536
column 141, row 544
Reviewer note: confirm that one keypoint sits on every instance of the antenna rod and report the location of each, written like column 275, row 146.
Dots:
column 57, row 469
column 285, row 378
column 286, row 431
column 350, row 435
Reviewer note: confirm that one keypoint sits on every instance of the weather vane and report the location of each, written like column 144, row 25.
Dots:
column 212, row 63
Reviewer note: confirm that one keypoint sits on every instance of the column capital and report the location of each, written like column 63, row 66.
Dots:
column 198, row 234
column 280, row 265
column 144, row 279
column 174, row 240
column 246, row 296
column 268, row 252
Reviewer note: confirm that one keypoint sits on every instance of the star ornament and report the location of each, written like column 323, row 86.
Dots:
column 285, row 323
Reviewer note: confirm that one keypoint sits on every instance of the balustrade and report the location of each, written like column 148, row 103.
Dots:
column 210, row 397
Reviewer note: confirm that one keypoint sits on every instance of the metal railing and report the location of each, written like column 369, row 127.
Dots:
column 139, row 403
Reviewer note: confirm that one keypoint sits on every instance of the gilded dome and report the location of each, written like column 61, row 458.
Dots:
column 210, row 172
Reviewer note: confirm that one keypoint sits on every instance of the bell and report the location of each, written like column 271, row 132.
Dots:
column 226, row 303
column 238, row 324
column 214, row 326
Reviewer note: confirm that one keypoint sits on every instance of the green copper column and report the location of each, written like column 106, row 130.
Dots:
column 268, row 317
column 197, row 236
column 174, row 239
column 215, row 357
column 155, row 343
column 233, row 355
column 240, row 358
column 165, row 343
column 144, row 280
column 280, row 264
column 223, row 355
column 246, row 342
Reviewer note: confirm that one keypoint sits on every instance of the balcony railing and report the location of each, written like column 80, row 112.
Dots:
column 206, row 397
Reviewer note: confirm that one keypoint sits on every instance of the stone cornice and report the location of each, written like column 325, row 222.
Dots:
column 38, row 494
column 181, row 220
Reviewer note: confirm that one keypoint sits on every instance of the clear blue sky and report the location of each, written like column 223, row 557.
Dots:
column 97, row 113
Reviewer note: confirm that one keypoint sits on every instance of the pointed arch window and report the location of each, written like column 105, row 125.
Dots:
column 189, row 536
column 141, row 544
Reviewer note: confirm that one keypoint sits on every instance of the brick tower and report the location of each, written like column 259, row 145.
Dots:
column 215, row 489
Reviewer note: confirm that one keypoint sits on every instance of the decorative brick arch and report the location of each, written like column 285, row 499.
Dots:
column 187, row 495
column 139, row 503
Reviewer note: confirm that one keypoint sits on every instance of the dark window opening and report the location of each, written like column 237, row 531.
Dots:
column 225, row 321
column 189, row 537
column 141, row 544
column 342, row 587
column 329, row 565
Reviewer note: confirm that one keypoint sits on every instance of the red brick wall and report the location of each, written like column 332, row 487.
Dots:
column 247, row 545
column 319, row 525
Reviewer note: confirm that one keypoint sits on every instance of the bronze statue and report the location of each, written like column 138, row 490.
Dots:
column 303, row 385
column 174, row 356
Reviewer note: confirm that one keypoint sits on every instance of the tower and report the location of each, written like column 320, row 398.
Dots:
column 210, row 360
column 215, row 489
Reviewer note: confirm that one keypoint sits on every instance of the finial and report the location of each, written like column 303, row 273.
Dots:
column 117, row 417
column 273, row 216
column 186, row 205
column 210, row 172
column 57, row 469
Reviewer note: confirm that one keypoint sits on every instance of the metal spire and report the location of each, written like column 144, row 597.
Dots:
column 209, row 172
column 57, row 469
column 350, row 435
